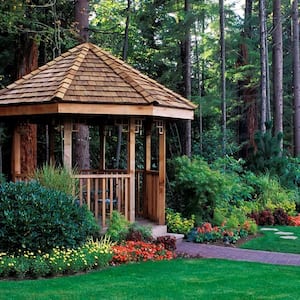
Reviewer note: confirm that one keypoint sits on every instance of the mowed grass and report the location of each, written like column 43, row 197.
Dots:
column 270, row 241
column 176, row 279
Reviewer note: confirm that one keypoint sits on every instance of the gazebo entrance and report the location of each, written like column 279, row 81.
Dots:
column 138, row 188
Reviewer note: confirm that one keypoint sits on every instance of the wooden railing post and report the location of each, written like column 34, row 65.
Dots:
column 131, row 169
column 108, row 190
column 68, row 145
column 162, row 176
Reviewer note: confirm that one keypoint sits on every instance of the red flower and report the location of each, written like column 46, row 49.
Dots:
column 139, row 251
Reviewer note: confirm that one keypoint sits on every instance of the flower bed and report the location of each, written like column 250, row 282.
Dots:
column 132, row 251
column 26, row 264
column 206, row 233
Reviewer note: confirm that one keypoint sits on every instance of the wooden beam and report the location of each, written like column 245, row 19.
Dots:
column 129, row 110
column 161, row 201
column 68, row 144
column 131, row 169
column 97, row 109
column 28, row 109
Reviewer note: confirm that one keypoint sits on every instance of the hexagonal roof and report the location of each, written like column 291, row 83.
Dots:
column 89, row 80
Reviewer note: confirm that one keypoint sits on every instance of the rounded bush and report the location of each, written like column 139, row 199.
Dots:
column 34, row 218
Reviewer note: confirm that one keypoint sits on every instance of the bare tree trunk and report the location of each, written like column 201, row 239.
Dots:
column 200, row 78
column 27, row 62
column 263, row 63
column 187, row 144
column 82, row 143
column 124, row 56
column 82, row 19
column 296, row 76
column 187, row 76
column 277, row 68
column 126, row 36
column 247, row 93
column 223, row 79
column 185, row 126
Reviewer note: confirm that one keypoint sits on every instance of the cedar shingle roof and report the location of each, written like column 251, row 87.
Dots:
column 88, row 75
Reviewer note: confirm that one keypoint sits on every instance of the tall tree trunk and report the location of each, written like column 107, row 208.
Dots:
column 124, row 57
column 247, row 93
column 277, row 68
column 200, row 79
column 185, row 126
column 187, row 75
column 126, row 35
column 263, row 63
column 82, row 19
column 82, row 143
column 27, row 61
column 223, row 79
column 296, row 76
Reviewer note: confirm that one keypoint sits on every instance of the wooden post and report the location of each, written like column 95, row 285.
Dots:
column 146, row 198
column 131, row 169
column 51, row 144
column 102, row 142
column 161, row 201
column 68, row 145
column 16, row 154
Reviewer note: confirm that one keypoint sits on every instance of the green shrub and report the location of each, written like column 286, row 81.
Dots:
column 57, row 178
column 250, row 226
column 196, row 188
column 269, row 194
column 34, row 218
column 137, row 233
column 177, row 224
column 118, row 227
column 219, row 216
column 235, row 190
column 233, row 222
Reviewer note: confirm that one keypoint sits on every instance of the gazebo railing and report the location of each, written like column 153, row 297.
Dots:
column 103, row 193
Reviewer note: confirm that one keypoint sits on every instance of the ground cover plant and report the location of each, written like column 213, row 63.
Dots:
column 175, row 279
column 206, row 233
column 272, row 240
column 59, row 261
column 178, row 224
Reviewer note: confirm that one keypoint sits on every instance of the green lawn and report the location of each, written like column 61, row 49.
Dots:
column 177, row 279
column 272, row 242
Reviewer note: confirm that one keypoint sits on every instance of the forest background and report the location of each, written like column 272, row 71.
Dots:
column 241, row 69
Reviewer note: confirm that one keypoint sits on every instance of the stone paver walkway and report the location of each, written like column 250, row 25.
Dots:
column 210, row 251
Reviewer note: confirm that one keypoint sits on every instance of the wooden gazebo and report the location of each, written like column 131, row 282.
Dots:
column 88, row 85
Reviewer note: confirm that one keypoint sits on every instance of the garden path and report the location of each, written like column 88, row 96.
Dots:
column 232, row 253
